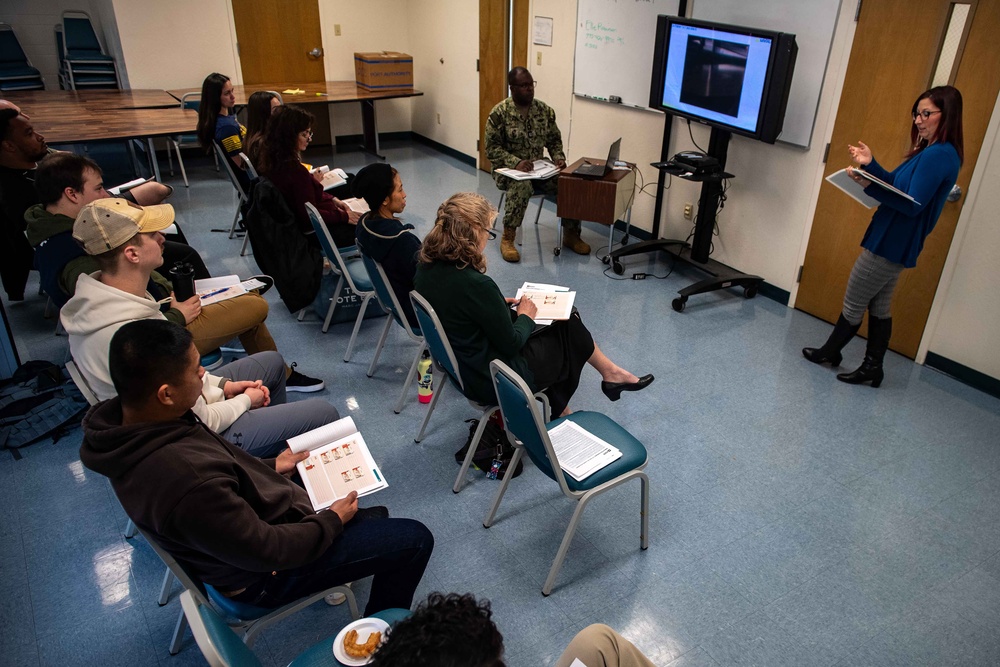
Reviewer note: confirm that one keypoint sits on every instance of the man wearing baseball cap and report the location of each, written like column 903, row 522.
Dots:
column 126, row 241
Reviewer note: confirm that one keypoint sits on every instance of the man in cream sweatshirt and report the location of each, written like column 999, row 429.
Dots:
column 243, row 401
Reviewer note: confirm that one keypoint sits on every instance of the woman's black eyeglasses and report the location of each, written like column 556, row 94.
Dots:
column 492, row 234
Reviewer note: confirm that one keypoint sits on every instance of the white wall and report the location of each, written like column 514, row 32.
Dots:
column 34, row 21
column 964, row 324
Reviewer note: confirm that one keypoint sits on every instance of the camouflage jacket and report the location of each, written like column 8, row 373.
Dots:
column 510, row 138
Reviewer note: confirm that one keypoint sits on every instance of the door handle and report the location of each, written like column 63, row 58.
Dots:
column 316, row 53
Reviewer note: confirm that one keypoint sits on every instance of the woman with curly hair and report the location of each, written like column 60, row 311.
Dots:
column 288, row 134
column 479, row 322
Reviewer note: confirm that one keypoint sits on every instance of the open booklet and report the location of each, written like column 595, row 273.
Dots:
column 554, row 302
column 220, row 288
column 580, row 452
column 541, row 170
column 331, row 177
column 842, row 179
column 339, row 462
column 357, row 205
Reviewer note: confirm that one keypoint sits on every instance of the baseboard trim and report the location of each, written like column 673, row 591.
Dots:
column 775, row 293
column 447, row 150
column 964, row 374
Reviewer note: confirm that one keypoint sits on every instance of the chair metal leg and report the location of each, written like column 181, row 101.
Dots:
column 170, row 158
column 541, row 203
column 430, row 411
column 518, row 452
column 180, row 163
column 236, row 218
column 302, row 314
column 333, row 304
column 215, row 156
column 357, row 325
column 460, row 480
column 410, row 378
column 564, row 545
column 644, row 509
column 175, row 641
column 381, row 342
column 168, row 583
column 130, row 530
column 246, row 239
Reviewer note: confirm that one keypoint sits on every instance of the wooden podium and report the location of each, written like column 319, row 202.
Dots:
column 605, row 200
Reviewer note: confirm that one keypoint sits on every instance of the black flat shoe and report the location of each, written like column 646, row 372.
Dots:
column 613, row 390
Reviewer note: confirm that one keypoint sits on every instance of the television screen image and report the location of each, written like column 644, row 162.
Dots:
column 713, row 74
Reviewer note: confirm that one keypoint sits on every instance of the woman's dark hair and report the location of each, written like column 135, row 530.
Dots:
column 374, row 183
column 59, row 171
column 949, row 129
column 281, row 137
column 209, row 107
column 445, row 631
column 259, row 111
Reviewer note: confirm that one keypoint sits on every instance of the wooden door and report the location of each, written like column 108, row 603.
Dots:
column 892, row 61
column 493, row 43
column 275, row 38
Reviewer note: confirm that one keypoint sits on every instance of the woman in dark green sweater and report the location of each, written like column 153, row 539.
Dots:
column 481, row 326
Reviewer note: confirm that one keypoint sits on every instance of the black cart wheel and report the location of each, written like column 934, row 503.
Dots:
column 678, row 304
column 625, row 239
column 617, row 267
column 556, row 251
column 750, row 291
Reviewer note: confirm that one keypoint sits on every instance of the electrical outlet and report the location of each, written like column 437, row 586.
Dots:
column 439, row 119
column 688, row 210
column 538, row 58
column 336, row 30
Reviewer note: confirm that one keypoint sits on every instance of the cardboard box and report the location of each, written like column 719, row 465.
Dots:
column 383, row 70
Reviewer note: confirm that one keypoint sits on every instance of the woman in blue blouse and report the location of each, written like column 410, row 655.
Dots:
column 898, row 228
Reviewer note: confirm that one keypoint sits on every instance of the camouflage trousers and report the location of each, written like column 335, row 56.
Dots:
column 518, row 194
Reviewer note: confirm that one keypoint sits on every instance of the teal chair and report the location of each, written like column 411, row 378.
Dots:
column 387, row 299
column 222, row 648
column 347, row 266
column 528, row 432
column 244, row 618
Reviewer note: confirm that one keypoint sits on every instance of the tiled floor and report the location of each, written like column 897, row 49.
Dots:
column 795, row 520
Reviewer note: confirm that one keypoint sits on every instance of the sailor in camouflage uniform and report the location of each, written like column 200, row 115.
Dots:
column 517, row 131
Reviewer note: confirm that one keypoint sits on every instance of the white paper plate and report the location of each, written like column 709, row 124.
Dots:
column 365, row 627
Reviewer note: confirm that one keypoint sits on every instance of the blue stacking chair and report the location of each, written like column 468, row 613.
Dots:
column 387, row 299
column 245, row 619
column 16, row 72
column 347, row 266
column 527, row 430
column 222, row 648
column 179, row 141
column 84, row 62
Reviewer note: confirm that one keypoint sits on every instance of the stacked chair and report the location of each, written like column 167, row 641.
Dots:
column 16, row 72
column 83, row 62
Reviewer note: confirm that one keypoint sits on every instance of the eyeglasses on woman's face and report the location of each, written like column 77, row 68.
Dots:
column 924, row 113
column 492, row 234
column 306, row 134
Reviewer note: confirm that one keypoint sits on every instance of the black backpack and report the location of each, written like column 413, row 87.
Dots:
column 38, row 401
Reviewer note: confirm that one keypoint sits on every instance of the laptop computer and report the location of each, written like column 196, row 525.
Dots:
column 599, row 170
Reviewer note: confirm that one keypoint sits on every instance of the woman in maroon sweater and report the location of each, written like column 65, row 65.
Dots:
column 288, row 133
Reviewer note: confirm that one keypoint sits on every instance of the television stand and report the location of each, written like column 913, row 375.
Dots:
column 697, row 253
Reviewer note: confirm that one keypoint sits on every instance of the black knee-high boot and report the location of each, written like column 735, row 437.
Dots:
column 843, row 332
column 879, row 332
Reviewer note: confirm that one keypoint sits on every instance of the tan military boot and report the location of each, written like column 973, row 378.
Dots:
column 571, row 239
column 507, row 249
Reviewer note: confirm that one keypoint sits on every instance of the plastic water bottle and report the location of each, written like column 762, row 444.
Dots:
column 425, row 379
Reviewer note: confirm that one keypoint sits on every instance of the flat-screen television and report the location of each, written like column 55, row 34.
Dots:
column 726, row 76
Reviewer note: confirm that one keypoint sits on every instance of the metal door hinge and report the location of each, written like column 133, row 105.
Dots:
column 798, row 278
column 857, row 12
column 826, row 153
column 477, row 145
column 477, row 64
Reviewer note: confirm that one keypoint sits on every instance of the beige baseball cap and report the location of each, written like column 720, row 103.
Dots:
column 105, row 224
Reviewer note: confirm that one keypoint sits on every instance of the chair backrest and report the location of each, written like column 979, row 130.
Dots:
column 338, row 263
column 436, row 339
column 278, row 95
column 187, row 581
column 248, row 165
column 218, row 643
column 230, row 169
column 191, row 101
column 384, row 292
column 60, row 42
column 79, row 34
column 523, row 420
column 10, row 48
column 81, row 382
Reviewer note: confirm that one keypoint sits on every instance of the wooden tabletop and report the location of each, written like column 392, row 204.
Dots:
column 38, row 102
column 323, row 92
column 65, row 125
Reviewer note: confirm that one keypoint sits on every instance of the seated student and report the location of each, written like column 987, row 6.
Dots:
column 457, row 631
column 127, row 244
column 20, row 150
column 260, row 106
column 382, row 236
column 288, row 133
column 65, row 183
column 217, row 123
column 481, row 327
column 233, row 521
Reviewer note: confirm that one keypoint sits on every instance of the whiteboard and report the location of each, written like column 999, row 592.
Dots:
column 614, row 48
column 812, row 22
